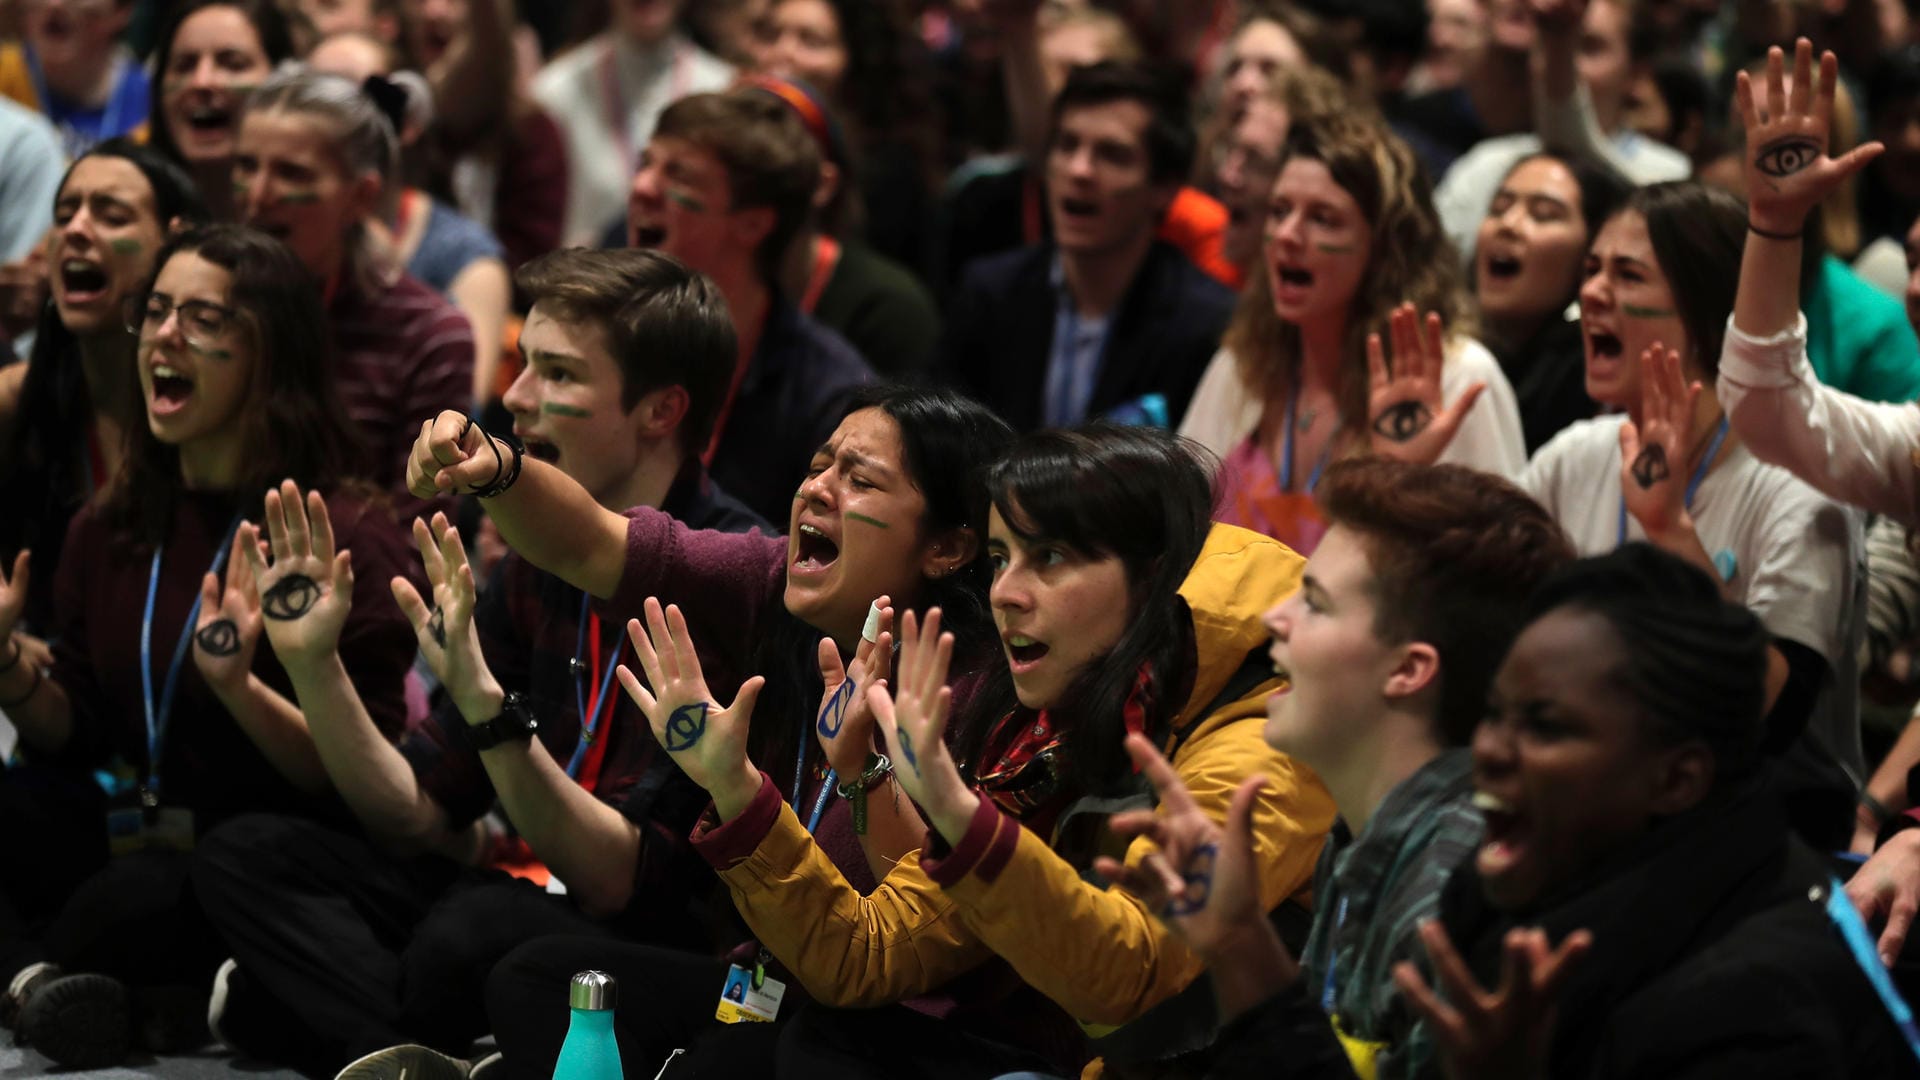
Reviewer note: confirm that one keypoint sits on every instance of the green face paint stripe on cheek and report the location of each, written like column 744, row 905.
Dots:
column 875, row 522
column 1335, row 249
column 299, row 198
column 552, row 408
column 681, row 198
column 125, row 246
column 216, row 354
column 1639, row 312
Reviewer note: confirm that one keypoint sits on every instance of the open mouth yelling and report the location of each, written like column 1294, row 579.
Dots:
column 1078, row 209
column 172, row 388
column 1502, row 268
column 540, row 449
column 1603, row 345
column 1506, row 835
column 814, row 552
column 82, row 281
column 1023, row 652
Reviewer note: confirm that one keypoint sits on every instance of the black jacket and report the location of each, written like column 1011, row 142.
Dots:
column 999, row 334
column 1712, row 956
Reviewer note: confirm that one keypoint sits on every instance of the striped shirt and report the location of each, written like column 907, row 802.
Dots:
column 401, row 356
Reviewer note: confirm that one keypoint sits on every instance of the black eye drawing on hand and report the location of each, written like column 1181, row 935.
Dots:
column 1402, row 420
column 290, row 598
column 221, row 637
column 437, row 626
column 1786, row 156
column 1199, row 881
column 906, row 750
column 1650, row 467
column 685, row 726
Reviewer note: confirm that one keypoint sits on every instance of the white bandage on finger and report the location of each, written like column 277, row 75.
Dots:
column 871, row 632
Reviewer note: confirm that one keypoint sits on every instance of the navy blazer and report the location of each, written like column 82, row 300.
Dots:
column 999, row 334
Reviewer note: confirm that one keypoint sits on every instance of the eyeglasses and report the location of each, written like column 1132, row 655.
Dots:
column 201, row 321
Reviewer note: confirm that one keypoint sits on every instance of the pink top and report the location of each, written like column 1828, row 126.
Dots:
column 1251, row 497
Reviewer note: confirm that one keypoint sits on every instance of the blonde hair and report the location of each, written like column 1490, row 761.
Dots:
column 1408, row 259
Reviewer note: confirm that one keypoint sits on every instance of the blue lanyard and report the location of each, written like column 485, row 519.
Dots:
column 158, row 715
column 589, row 722
column 1860, row 944
column 1286, row 452
column 1693, row 485
column 799, row 772
column 109, row 125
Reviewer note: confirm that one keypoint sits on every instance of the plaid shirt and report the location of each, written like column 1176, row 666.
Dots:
column 1371, row 895
column 529, row 626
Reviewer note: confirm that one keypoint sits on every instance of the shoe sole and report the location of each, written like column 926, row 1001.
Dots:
column 80, row 1021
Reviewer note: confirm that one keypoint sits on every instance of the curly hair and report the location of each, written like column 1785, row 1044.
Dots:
column 1410, row 258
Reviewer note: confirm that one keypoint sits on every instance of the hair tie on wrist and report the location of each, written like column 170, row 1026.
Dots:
column 1758, row 231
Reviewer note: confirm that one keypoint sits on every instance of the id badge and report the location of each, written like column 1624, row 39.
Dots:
column 130, row 829
column 741, row 1002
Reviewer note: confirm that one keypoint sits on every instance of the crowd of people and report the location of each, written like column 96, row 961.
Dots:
column 1279, row 537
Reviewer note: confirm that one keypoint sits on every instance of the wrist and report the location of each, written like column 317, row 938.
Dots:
column 1781, row 227
column 481, row 704
column 734, row 791
column 952, row 810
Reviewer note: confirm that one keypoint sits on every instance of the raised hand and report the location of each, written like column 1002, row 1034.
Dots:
column 228, row 629
column 913, row 720
column 1500, row 1035
column 708, row 742
column 306, row 592
column 844, row 724
column 1653, row 460
column 1788, row 170
column 1202, row 881
column 13, row 593
column 443, row 623
column 1407, row 414
column 1887, row 887
column 453, row 454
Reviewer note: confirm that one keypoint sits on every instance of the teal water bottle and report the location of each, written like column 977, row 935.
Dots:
column 591, row 1052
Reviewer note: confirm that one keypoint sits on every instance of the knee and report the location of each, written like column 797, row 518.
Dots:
column 247, row 847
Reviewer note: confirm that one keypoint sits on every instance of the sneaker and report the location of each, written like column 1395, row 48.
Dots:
column 486, row 1066
column 22, row 987
column 407, row 1063
column 217, row 1004
column 80, row 1021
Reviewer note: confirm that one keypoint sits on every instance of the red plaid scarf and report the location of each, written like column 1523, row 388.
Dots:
column 1028, row 759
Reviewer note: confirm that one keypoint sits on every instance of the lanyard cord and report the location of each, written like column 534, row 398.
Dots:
column 158, row 713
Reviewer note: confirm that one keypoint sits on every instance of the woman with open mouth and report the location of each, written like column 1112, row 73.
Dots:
column 64, row 412
column 1621, row 769
column 1351, row 235
column 890, row 517
column 211, row 56
column 1120, row 608
column 1526, row 275
column 233, row 376
column 316, row 157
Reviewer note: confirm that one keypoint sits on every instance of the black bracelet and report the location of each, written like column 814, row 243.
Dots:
column 504, row 477
column 1874, row 808
column 1758, row 231
column 38, row 677
column 18, row 652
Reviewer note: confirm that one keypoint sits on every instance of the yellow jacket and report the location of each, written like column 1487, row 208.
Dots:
column 1099, row 953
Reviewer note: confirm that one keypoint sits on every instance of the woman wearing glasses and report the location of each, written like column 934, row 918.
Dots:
column 233, row 375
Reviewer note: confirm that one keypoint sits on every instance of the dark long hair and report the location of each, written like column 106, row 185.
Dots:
column 1143, row 496
column 292, row 422
column 268, row 24
column 947, row 441
column 43, row 473
column 1698, row 234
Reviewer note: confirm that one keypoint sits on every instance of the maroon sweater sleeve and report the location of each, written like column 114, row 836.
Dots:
column 723, row 583
column 530, row 206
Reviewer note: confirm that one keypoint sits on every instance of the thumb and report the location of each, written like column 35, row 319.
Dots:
column 1239, row 838
column 831, row 671
column 1856, row 159
column 742, row 707
column 1456, row 414
column 209, row 597
column 1629, row 446
column 343, row 577
column 410, row 603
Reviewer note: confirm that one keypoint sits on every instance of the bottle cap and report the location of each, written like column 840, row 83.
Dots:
column 595, row 990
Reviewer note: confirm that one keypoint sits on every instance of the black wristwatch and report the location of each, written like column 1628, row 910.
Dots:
column 514, row 724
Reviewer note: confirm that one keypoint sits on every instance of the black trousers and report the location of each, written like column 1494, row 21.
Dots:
column 62, row 899
column 358, row 950
column 667, row 1001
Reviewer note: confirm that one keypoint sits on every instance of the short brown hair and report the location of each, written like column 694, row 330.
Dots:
column 665, row 324
column 1456, row 553
column 769, row 157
